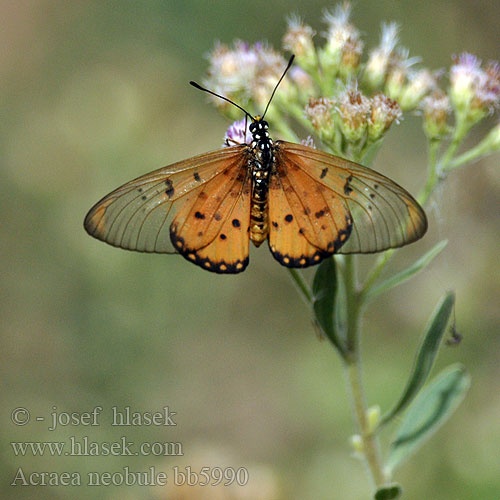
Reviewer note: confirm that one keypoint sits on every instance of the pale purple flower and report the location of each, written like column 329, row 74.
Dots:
column 472, row 87
column 309, row 142
column 230, row 70
column 236, row 133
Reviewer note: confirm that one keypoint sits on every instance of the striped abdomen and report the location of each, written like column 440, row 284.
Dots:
column 259, row 220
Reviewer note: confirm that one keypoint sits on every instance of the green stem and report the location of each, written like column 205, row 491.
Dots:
column 432, row 177
column 354, row 306
column 474, row 154
column 461, row 128
column 376, row 270
column 301, row 284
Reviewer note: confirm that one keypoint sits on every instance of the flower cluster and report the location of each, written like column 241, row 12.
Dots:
column 474, row 91
column 348, row 103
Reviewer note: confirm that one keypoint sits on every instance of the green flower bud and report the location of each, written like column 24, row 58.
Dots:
column 299, row 41
column 384, row 111
column 319, row 111
column 436, row 110
column 420, row 84
column 378, row 62
column 354, row 109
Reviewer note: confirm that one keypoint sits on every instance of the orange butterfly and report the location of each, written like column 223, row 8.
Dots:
column 308, row 204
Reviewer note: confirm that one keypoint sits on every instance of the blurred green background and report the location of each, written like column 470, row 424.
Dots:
column 94, row 94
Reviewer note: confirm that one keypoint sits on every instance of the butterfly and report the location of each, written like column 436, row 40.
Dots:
column 306, row 203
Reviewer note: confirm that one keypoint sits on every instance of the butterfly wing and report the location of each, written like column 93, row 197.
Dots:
column 212, row 231
column 137, row 216
column 307, row 222
column 364, row 211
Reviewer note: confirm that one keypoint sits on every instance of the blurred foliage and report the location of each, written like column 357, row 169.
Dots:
column 94, row 94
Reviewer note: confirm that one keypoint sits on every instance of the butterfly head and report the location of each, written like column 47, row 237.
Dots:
column 259, row 129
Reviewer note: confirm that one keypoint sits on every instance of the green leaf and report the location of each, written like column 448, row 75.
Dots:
column 389, row 492
column 407, row 273
column 425, row 356
column 434, row 405
column 324, row 291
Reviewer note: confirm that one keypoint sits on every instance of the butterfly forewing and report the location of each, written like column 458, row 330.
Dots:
column 138, row 215
column 379, row 213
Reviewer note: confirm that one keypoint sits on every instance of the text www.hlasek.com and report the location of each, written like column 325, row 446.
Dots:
column 79, row 447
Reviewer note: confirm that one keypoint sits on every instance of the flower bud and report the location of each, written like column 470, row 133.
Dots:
column 384, row 111
column 398, row 73
column 354, row 110
column 474, row 92
column 357, row 445
column 319, row 112
column 342, row 51
column 373, row 418
column 436, row 109
column 419, row 84
column 378, row 61
column 299, row 41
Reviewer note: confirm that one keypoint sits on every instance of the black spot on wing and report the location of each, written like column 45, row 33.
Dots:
column 199, row 215
column 196, row 177
column 170, row 188
column 347, row 187
column 323, row 173
column 236, row 223
column 302, row 260
column 219, row 267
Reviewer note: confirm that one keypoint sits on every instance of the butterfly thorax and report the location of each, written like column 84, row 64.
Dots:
column 260, row 170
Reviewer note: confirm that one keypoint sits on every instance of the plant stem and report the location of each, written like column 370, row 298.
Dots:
column 462, row 127
column 301, row 284
column 432, row 177
column 353, row 371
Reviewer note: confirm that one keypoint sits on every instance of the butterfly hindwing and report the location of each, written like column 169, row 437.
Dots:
column 137, row 216
column 380, row 213
column 290, row 228
column 323, row 217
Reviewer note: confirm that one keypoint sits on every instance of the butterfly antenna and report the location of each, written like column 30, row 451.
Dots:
column 290, row 62
column 199, row 87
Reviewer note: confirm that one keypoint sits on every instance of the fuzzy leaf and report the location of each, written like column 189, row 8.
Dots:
column 324, row 290
column 389, row 492
column 425, row 356
column 407, row 273
column 434, row 405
